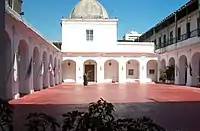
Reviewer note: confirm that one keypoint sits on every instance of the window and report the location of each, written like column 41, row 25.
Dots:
column 151, row 71
column 179, row 34
column 89, row 35
column 171, row 37
column 130, row 72
column 188, row 29
column 164, row 39
column 10, row 3
column 160, row 41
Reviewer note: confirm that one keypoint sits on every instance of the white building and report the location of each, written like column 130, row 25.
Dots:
column 89, row 45
column 177, row 42
column 132, row 36
column 28, row 57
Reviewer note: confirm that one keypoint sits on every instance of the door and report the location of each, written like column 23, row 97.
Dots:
column 89, row 70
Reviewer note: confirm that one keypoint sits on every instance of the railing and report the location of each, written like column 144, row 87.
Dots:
column 183, row 37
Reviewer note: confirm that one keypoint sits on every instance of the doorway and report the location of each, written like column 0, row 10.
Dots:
column 89, row 70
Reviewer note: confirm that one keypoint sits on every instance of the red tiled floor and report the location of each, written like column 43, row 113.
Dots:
column 174, row 107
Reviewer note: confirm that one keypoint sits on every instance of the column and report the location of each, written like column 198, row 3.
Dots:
column 100, row 71
column 79, row 71
column 177, row 69
column 40, row 76
column 189, row 77
column 176, row 73
column 122, row 70
column 143, row 70
column 3, row 51
column 29, row 88
column 46, row 72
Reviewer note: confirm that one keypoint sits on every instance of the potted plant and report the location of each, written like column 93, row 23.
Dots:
column 163, row 76
column 85, row 79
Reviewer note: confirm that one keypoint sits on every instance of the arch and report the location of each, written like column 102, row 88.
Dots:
column 23, row 65
column 172, row 66
column 90, row 68
column 171, row 61
column 195, row 66
column 59, row 72
column 132, row 70
column 45, row 70
column 183, row 70
column 152, row 66
column 51, row 71
column 162, row 64
column 111, row 71
column 55, row 70
column 69, row 71
column 36, row 69
column 9, row 63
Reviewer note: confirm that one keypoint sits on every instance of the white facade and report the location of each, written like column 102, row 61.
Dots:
column 105, row 58
column 133, row 35
column 180, row 49
column 74, row 34
column 27, row 59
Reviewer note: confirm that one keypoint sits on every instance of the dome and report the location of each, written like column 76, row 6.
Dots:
column 88, row 9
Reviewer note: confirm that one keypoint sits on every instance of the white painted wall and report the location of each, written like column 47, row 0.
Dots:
column 74, row 35
column 152, row 65
column 135, row 65
column 111, row 72
column 69, row 71
column 117, row 70
column 23, row 35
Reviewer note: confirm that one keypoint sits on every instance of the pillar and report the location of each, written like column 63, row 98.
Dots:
column 143, row 70
column 79, row 71
column 29, row 88
column 189, row 77
column 100, row 71
column 3, row 51
column 177, row 73
column 122, row 70
column 40, row 76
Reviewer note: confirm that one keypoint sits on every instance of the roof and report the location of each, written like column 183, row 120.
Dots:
column 88, row 9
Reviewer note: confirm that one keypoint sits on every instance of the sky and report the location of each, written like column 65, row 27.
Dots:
column 136, row 15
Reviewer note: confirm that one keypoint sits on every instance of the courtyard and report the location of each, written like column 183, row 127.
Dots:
column 173, row 107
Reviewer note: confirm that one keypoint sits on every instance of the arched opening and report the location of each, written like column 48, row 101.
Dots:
column 69, row 71
column 132, row 70
column 51, row 71
column 195, row 69
column 183, row 70
column 171, row 69
column 44, row 69
column 90, row 68
column 55, row 70
column 111, row 71
column 24, row 65
column 152, row 67
column 59, row 72
column 36, row 69
column 162, row 64
column 9, row 65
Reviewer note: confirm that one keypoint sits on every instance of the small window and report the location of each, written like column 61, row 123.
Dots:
column 10, row 3
column 89, row 35
column 151, row 71
column 179, row 33
column 130, row 72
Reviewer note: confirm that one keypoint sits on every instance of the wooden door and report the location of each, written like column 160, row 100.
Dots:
column 89, row 69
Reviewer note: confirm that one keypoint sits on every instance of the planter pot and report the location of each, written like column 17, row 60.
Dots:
column 85, row 83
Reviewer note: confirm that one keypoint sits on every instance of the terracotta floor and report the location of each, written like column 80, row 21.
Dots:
column 173, row 107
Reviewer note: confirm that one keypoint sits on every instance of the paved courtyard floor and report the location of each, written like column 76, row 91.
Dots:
column 173, row 107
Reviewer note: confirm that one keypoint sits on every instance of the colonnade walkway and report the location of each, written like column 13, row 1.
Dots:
column 173, row 107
